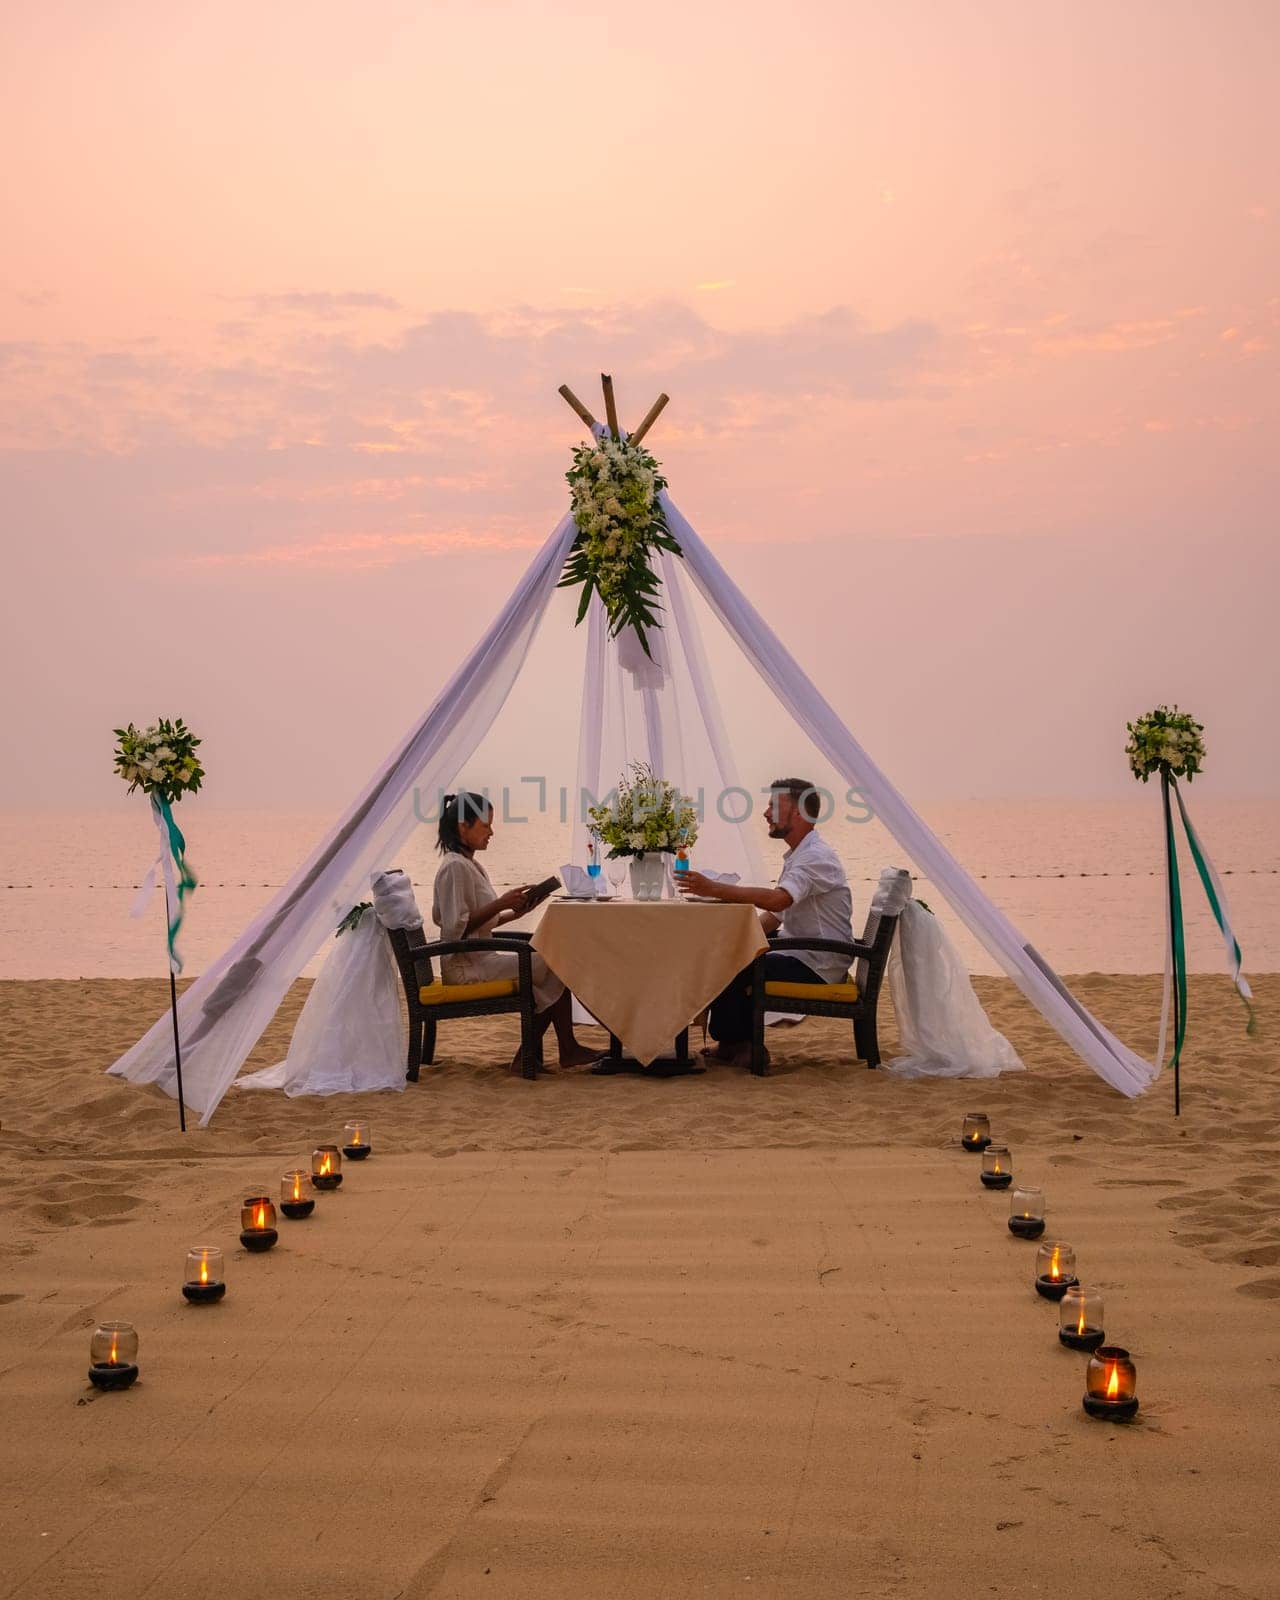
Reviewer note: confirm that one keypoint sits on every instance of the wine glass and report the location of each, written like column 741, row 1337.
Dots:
column 616, row 871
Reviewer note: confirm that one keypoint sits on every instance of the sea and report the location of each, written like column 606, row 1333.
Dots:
column 1082, row 880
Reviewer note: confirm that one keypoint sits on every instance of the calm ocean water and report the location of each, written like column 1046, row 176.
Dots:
column 1080, row 879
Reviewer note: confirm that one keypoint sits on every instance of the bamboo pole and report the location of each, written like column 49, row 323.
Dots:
column 572, row 400
column 651, row 416
column 610, row 406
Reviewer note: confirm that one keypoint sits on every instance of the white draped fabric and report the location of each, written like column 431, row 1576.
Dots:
column 222, row 1014
column 351, row 1034
column 663, row 711
column 1105, row 1053
column 942, row 1027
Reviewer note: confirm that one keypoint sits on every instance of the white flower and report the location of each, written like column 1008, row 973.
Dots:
column 636, row 840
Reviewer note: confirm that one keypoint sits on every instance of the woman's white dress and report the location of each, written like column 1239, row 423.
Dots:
column 462, row 886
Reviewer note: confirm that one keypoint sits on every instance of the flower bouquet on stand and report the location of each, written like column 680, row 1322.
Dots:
column 161, row 761
column 1169, row 744
column 647, row 821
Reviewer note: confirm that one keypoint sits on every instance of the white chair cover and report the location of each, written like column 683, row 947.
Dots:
column 941, row 1024
column 351, row 1035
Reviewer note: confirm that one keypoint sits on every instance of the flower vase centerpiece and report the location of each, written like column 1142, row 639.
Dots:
column 645, row 821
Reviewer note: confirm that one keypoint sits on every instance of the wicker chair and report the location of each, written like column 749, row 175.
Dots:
column 855, row 999
column 430, row 1001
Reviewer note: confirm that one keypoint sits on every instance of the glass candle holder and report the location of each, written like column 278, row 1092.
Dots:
column 997, row 1167
column 1111, row 1382
column 1055, row 1269
column 295, row 1202
column 355, row 1141
column 1080, row 1318
column 1026, row 1213
column 258, row 1223
column 204, row 1282
column 975, row 1131
column 326, row 1166
column 113, row 1355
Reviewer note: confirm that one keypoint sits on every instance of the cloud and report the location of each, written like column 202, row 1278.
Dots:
column 320, row 302
column 363, row 550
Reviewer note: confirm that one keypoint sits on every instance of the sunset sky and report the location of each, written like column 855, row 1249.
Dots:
column 969, row 312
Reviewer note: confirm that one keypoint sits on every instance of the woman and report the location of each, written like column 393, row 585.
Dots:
column 466, row 907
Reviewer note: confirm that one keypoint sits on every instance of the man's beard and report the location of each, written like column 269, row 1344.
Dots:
column 775, row 832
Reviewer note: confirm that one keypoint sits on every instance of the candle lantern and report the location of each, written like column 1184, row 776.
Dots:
column 258, row 1223
column 326, row 1166
column 975, row 1133
column 997, row 1167
column 294, row 1202
column 355, row 1141
column 1080, row 1324
column 1026, row 1213
column 1111, row 1382
column 113, row 1355
column 204, row 1281
column 1055, row 1269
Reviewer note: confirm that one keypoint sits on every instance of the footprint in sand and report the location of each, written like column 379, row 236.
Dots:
column 1261, row 1288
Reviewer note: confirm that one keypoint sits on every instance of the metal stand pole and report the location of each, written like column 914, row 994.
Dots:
column 1170, row 869
column 173, row 1006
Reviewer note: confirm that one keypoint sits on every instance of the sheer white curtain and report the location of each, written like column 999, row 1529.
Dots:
column 664, row 711
column 222, row 1015
column 1111, row 1059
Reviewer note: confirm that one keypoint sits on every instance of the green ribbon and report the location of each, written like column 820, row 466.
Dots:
column 1177, row 937
column 1217, row 904
column 186, row 879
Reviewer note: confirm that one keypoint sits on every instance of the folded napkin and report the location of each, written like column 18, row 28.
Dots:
column 576, row 880
column 720, row 877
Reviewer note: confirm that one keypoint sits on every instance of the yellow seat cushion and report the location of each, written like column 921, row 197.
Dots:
column 447, row 994
column 847, row 992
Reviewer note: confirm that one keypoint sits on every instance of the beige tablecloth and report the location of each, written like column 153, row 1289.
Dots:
column 646, row 969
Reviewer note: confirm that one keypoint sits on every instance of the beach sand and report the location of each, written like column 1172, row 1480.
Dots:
column 709, row 1336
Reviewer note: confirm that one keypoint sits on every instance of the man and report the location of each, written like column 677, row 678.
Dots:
column 811, row 901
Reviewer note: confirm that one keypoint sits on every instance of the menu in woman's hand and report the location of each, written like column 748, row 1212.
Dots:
column 540, row 891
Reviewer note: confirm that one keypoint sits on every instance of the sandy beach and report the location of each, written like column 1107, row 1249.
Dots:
column 711, row 1336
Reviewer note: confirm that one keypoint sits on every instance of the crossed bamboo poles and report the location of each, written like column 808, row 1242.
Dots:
column 611, row 410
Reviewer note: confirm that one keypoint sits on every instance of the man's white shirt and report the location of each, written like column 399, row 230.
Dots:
column 821, row 904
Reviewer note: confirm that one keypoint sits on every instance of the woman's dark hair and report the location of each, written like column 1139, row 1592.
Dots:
column 458, row 809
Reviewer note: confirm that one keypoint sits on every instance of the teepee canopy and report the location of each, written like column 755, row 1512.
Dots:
column 658, row 706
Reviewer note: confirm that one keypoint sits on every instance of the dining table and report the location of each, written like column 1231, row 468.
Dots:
column 646, row 968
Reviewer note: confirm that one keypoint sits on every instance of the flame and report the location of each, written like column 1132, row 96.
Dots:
column 1054, row 1269
column 355, row 1137
column 1080, row 1324
column 297, row 1187
column 260, row 1217
column 112, row 1357
column 204, row 1270
column 326, row 1166
column 1113, row 1383
column 995, row 1165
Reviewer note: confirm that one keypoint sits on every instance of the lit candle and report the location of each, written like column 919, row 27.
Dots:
column 355, row 1141
column 326, row 1166
column 1026, row 1213
column 1055, row 1269
column 258, row 1223
column 1111, row 1382
column 997, row 1167
column 975, row 1132
column 294, row 1202
column 204, row 1281
column 113, row 1355
column 1080, row 1321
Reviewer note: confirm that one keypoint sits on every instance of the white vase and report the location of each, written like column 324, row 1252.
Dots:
column 648, row 873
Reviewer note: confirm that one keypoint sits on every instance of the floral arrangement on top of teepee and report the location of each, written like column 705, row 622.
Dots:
column 1165, row 741
column 648, row 815
column 615, row 487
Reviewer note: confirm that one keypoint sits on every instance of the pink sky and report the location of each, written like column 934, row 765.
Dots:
column 969, row 313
